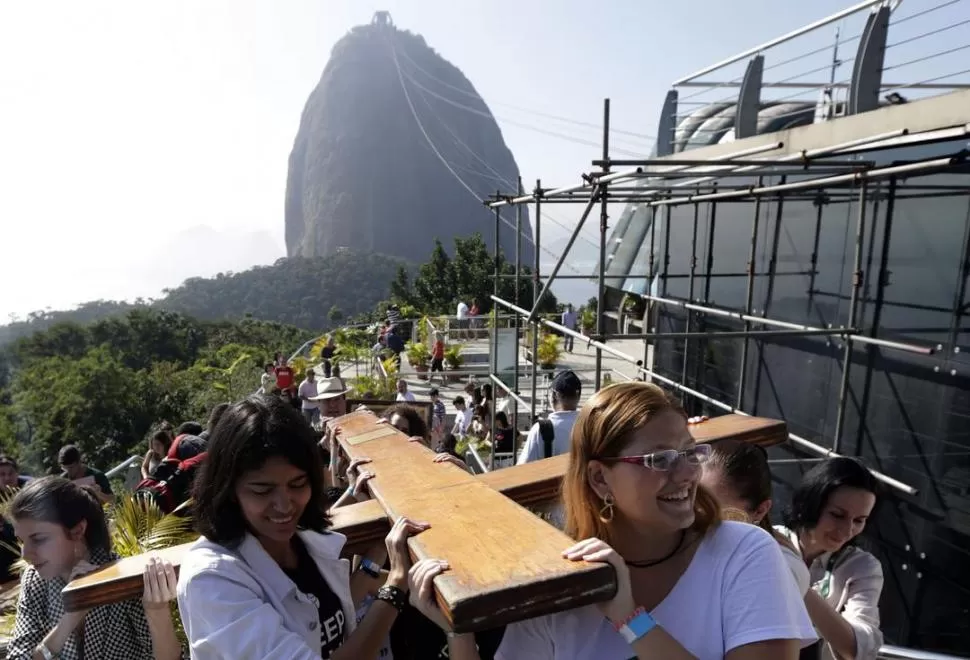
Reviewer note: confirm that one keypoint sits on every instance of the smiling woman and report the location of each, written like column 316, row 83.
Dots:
column 266, row 578
column 689, row 585
column 829, row 510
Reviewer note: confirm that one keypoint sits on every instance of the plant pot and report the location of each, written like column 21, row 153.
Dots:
column 422, row 371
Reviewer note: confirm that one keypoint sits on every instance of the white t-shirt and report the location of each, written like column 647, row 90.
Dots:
column 406, row 396
column 736, row 591
column 462, row 311
column 308, row 389
column 463, row 419
column 562, row 426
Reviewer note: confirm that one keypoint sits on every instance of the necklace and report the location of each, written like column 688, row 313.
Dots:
column 653, row 562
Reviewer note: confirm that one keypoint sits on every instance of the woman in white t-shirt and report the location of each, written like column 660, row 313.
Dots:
column 738, row 475
column 689, row 585
column 829, row 509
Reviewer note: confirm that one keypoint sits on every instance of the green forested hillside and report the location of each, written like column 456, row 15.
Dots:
column 103, row 386
column 296, row 291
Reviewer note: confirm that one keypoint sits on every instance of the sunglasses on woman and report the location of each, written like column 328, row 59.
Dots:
column 665, row 460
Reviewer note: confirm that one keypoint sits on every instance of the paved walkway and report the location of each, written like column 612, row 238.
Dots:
column 582, row 360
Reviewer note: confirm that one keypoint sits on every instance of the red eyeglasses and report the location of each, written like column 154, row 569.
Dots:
column 662, row 461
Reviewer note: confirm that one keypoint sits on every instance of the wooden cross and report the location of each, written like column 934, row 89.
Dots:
column 506, row 563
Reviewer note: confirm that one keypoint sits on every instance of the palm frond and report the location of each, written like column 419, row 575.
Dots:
column 140, row 526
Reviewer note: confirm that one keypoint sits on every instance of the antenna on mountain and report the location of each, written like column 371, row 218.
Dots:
column 382, row 18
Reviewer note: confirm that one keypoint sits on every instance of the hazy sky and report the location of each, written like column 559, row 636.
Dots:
column 145, row 142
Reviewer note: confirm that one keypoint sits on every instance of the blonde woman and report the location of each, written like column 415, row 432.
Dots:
column 689, row 585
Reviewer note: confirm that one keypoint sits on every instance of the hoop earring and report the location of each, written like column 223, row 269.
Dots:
column 606, row 513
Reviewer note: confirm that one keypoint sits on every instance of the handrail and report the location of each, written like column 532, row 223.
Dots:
column 780, row 40
column 477, row 460
column 121, row 467
column 889, row 652
column 802, row 442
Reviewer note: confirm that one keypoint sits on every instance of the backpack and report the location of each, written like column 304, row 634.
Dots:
column 169, row 483
column 548, row 434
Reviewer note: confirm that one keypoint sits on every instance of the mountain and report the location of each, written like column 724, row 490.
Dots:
column 369, row 169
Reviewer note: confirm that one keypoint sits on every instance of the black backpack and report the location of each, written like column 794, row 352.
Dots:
column 548, row 434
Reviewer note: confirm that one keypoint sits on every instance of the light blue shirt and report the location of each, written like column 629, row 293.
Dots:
column 562, row 426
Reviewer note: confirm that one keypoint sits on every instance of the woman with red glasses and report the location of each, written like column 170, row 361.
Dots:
column 689, row 585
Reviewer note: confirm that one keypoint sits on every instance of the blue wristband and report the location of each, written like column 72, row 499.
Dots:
column 637, row 627
column 370, row 567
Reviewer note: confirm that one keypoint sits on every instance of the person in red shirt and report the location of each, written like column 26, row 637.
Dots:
column 437, row 358
column 285, row 382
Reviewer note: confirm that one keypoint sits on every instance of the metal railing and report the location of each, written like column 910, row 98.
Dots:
column 121, row 467
column 873, row 53
column 888, row 652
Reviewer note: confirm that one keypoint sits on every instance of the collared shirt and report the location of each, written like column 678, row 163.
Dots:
column 238, row 604
column 406, row 397
column 851, row 584
column 111, row 632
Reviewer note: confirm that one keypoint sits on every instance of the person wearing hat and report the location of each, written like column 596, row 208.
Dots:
column 332, row 399
column 550, row 437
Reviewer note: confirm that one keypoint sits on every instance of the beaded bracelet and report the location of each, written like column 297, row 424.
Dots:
column 393, row 596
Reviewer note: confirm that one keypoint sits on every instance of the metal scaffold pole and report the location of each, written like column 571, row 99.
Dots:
column 601, row 274
column 857, row 278
column 493, row 339
column 534, row 327
column 749, row 297
column 518, row 272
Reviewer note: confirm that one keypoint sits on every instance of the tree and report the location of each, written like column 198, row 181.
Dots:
column 401, row 287
column 434, row 286
column 334, row 315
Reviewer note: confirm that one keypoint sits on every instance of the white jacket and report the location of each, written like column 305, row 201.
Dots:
column 238, row 604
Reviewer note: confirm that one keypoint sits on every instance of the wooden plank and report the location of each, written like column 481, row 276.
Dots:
column 119, row 581
column 366, row 523
column 756, row 430
column 511, row 568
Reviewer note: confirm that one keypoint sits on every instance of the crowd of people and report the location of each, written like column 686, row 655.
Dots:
column 701, row 571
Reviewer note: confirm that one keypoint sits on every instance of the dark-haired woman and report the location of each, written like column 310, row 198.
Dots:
column 739, row 477
column 266, row 580
column 407, row 420
column 689, row 585
column 829, row 509
column 65, row 535
column 157, row 450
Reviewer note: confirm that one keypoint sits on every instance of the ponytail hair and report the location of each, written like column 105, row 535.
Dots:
column 61, row 502
column 744, row 467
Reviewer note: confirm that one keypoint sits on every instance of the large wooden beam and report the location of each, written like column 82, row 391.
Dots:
column 366, row 523
column 506, row 563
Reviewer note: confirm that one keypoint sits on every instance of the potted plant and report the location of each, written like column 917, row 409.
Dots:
column 419, row 357
column 587, row 321
column 548, row 352
column 454, row 359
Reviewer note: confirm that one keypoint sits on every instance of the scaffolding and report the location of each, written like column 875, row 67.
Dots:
column 673, row 182
column 770, row 171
